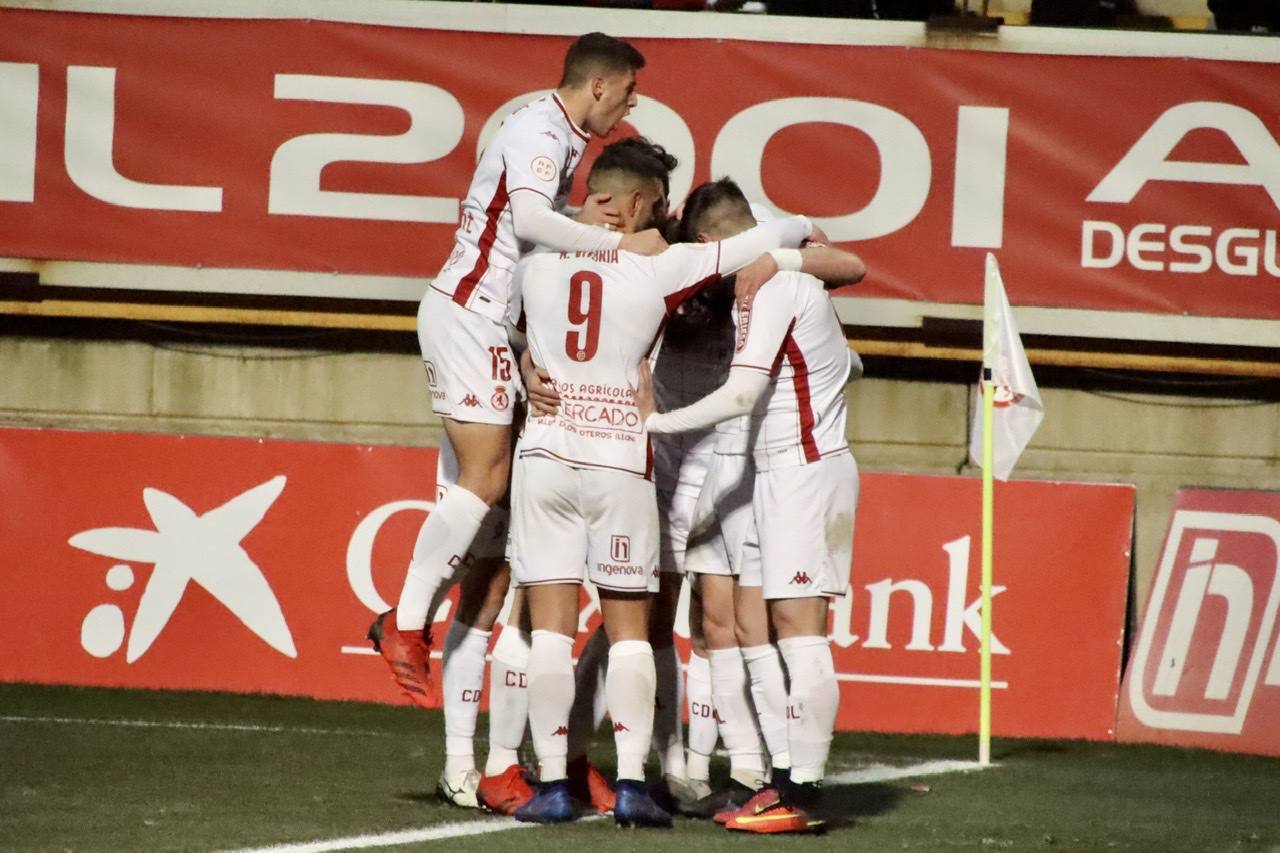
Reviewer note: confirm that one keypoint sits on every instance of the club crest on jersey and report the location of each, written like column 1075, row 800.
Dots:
column 500, row 400
column 744, row 328
column 544, row 168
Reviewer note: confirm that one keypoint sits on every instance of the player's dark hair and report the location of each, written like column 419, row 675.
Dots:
column 637, row 156
column 703, row 200
column 597, row 53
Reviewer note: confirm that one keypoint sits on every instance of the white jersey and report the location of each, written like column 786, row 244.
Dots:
column 791, row 333
column 590, row 317
column 535, row 150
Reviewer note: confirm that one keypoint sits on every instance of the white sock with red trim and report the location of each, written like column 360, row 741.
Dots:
column 702, row 721
column 464, row 651
column 550, row 697
column 769, row 695
column 442, row 544
column 738, row 727
column 629, row 687
column 812, row 704
column 668, row 733
column 508, row 699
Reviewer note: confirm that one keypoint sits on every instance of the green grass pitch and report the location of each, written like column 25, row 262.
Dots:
column 286, row 771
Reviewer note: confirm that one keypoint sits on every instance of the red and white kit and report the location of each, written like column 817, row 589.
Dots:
column 525, row 173
column 591, row 317
column 806, row 489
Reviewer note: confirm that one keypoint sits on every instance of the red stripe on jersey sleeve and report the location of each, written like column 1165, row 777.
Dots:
column 462, row 293
column 675, row 299
column 804, row 405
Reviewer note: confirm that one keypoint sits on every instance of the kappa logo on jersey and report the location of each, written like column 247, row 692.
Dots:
column 562, row 731
column 500, row 400
column 620, row 548
column 744, row 328
column 551, row 136
column 544, row 168
column 470, row 401
column 619, row 727
column 802, row 578
column 185, row 547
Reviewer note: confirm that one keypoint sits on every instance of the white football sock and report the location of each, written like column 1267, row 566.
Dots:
column 589, row 702
column 508, row 699
column 550, row 697
column 464, row 651
column 630, row 686
column 813, row 702
column 738, row 726
column 769, row 695
column 668, row 733
column 442, row 544
column 702, row 721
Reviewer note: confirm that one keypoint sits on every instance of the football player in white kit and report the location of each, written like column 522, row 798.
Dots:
column 584, row 498
column 792, row 355
column 521, row 182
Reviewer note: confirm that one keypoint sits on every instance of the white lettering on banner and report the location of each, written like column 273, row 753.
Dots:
column 958, row 616
column 977, row 205
column 650, row 118
column 905, row 166
column 360, row 551
column 90, row 137
column 435, row 128
column 19, row 97
column 1235, row 588
column 1148, row 159
column 1188, row 249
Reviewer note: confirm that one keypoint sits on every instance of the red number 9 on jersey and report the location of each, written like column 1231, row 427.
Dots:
column 585, row 290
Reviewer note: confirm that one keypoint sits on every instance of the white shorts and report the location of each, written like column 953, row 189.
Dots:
column 471, row 372
column 491, row 538
column 677, row 493
column 805, row 515
column 571, row 522
column 723, row 538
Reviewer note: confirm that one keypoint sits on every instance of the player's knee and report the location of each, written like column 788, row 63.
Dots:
column 718, row 631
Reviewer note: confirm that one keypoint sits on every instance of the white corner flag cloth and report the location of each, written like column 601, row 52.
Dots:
column 1018, row 410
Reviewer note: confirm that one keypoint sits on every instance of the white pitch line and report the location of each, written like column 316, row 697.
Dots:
column 390, row 839
column 172, row 724
column 888, row 772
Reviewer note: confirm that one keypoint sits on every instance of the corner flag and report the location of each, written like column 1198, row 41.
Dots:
column 1018, row 410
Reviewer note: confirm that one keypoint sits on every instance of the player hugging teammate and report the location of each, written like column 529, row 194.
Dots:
column 771, row 540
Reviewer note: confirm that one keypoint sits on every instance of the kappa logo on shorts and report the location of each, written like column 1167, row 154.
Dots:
column 620, row 548
column 544, row 168
column 470, row 401
column 619, row 727
column 562, row 731
column 500, row 400
column 802, row 578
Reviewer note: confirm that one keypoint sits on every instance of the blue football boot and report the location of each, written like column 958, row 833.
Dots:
column 551, row 804
column 635, row 807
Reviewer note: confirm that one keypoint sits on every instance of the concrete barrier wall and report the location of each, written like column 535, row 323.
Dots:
column 1158, row 442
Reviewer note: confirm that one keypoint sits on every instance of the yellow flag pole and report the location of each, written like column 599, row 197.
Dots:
column 988, row 528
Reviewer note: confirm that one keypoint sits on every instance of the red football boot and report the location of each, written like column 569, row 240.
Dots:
column 777, row 818
column 406, row 653
column 506, row 792
column 766, row 798
column 588, row 785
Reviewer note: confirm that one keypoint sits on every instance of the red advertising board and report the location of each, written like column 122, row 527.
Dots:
column 1205, row 670
column 181, row 562
column 323, row 146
